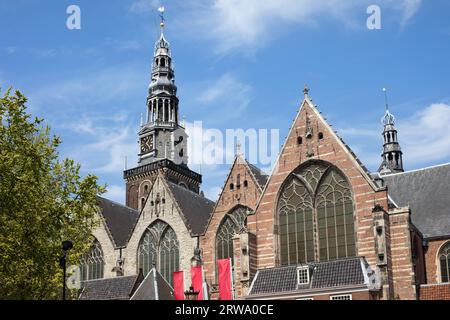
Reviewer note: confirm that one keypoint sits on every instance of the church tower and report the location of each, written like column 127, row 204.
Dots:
column 162, row 139
column 392, row 153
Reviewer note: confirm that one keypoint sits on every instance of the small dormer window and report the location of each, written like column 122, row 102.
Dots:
column 302, row 275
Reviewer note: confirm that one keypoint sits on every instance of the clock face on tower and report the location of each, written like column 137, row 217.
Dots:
column 147, row 144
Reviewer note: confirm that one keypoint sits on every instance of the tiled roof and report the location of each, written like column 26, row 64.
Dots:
column 323, row 275
column 130, row 287
column 119, row 220
column 261, row 177
column 150, row 289
column 195, row 208
column 118, row 288
column 427, row 192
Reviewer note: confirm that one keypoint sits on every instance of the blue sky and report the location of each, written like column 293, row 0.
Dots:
column 239, row 64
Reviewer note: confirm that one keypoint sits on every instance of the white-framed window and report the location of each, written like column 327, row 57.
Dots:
column 302, row 275
column 309, row 298
column 341, row 297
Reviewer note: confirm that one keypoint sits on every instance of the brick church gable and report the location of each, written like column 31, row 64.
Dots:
column 241, row 189
column 312, row 138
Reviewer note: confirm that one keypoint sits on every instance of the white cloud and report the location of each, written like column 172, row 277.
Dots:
column 115, row 193
column 425, row 136
column 107, row 151
column 88, row 89
column 409, row 8
column 248, row 24
column 143, row 6
column 224, row 94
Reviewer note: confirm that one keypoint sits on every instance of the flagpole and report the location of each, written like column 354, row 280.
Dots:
column 232, row 282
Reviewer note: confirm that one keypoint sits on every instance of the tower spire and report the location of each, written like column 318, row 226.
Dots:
column 392, row 154
column 161, row 136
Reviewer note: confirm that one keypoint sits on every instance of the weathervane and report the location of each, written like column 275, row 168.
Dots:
column 161, row 11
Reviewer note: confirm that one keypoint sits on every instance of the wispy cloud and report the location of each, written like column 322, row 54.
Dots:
column 107, row 149
column 424, row 138
column 246, row 25
column 115, row 193
column 89, row 88
column 143, row 6
column 222, row 95
column 409, row 8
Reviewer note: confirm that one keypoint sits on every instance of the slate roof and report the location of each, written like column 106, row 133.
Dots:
column 119, row 219
column 323, row 275
column 118, row 288
column 260, row 176
column 427, row 192
column 150, row 289
column 196, row 208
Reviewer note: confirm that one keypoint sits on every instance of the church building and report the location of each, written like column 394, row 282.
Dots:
column 319, row 227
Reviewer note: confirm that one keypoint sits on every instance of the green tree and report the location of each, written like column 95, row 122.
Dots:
column 43, row 201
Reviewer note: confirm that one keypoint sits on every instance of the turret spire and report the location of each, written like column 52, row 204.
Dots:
column 392, row 154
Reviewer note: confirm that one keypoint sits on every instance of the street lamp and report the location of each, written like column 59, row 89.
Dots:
column 66, row 246
column 191, row 294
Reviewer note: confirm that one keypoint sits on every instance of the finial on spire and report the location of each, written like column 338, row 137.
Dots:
column 238, row 148
column 388, row 118
column 306, row 90
column 386, row 99
column 161, row 11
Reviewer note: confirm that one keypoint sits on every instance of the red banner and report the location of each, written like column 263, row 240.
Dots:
column 197, row 280
column 178, row 285
column 225, row 286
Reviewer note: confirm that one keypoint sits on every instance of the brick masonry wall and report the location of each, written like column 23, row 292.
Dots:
column 329, row 149
column 402, row 261
column 431, row 260
column 435, row 292
column 228, row 200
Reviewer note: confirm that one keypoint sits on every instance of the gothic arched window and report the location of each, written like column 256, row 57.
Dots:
column 444, row 263
column 92, row 264
column 159, row 246
column 315, row 216
column 233, row 222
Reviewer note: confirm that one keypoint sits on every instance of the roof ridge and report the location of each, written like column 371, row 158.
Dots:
column 188, row 190
column 118, row 203
column 111, row 278
column 417, row 170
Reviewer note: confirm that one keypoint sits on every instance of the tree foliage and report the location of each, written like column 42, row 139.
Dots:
column 43, row 201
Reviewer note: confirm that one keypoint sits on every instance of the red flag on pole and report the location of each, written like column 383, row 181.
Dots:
column 197, row 280
column 178, row 285
column 225, row 285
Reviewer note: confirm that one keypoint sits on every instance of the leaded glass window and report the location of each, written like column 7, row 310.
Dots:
column 315, row 216
column 232, row 223
column 159, row 246
column 444, row 262
column 92, row 264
